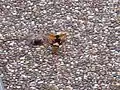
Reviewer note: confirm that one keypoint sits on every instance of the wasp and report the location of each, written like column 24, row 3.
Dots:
column 56, row 40
column 53, row 40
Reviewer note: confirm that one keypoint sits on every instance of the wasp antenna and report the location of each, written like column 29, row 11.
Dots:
column 58, row 33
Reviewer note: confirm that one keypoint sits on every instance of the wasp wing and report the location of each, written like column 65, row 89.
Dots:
column 63, row 37
column 51, row 38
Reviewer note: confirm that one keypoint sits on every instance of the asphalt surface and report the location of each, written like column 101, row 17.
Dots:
column 89, row 60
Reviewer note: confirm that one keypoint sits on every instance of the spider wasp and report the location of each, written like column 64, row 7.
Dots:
column 53, row 40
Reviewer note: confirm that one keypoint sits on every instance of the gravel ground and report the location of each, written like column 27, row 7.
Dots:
column 90, row 59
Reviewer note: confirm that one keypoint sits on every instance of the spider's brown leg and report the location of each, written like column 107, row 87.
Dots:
column 55, row 49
